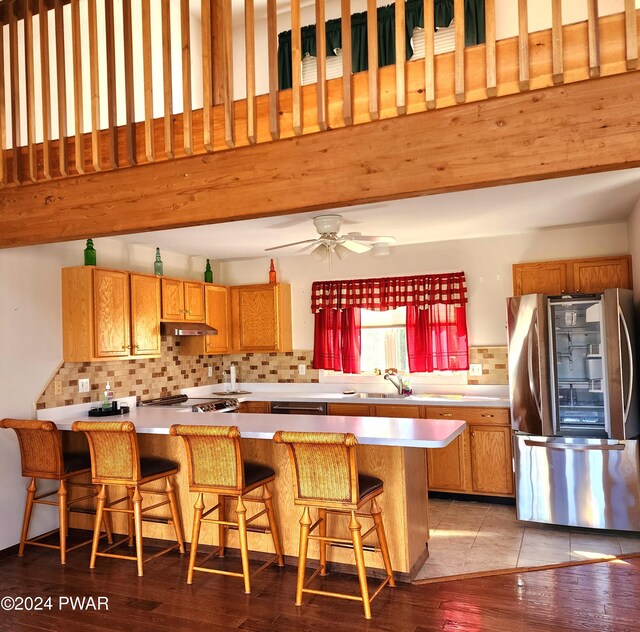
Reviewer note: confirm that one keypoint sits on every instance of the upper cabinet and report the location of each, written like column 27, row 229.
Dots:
column 109, row 314
column 217, row 314
column 182, row 300
column 572, row 275
column 261, row 317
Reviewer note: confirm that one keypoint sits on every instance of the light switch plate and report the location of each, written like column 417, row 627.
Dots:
column 57, row 387
column 210, row 371
column 475, row 370
column 84, row 386
column 302, row 369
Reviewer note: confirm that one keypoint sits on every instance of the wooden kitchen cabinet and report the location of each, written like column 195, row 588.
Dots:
column 397, row 410
column 348, row 409
column 182, row 300
column 572, row 275
column 256, row 408
column 261, row 317
column 104, row 310
column 217, row 314
column 480, row 460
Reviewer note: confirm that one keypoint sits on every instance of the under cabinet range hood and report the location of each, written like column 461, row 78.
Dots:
column 187, row 329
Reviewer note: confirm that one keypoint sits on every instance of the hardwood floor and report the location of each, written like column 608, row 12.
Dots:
column 599, row 597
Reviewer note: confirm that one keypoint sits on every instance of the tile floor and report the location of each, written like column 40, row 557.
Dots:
column 469, row 537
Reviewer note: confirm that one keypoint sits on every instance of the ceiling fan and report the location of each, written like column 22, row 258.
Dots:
column 330, row 242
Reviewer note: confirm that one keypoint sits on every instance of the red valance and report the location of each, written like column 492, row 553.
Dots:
column 382, row 294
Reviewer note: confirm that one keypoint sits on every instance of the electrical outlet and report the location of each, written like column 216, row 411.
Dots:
column 302, row 369
column 57, row 387
column 84, row 386
column 210, row 371
column 475, row 370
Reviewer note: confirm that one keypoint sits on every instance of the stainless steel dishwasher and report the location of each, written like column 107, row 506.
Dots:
column 299, row 408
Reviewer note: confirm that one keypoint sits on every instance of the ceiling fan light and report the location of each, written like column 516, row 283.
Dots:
column 380, row 249
column 341, row 251
column 319, row 252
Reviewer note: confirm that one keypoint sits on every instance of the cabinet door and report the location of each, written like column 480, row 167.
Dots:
column 172, row 299
column 596, row 275
column 349, row 410
column 111, row 313
column 445, row 466
column 194, row 301
column 398, row 410
column 491, row 467
column 217, row 315
column 258, row 318
column 145, row 315
column 261, row 408
column 543, row 277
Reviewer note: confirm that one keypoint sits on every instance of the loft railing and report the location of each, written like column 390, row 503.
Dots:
column 95, row 85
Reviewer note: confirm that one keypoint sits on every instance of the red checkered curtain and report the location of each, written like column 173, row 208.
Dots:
column 436, row 319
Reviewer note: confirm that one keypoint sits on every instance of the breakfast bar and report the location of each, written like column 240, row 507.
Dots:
column 389, row 448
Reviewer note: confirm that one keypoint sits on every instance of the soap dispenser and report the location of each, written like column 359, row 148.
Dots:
column 107, row 399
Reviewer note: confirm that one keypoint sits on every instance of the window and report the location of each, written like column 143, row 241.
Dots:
column 310, row 67
column 384, row 340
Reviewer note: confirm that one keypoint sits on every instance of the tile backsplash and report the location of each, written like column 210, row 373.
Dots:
column 156, row 377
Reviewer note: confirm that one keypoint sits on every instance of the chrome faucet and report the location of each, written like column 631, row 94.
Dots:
column 397, row 384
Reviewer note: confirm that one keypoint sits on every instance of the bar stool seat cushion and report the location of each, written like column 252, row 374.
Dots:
column 151, row 465
column 254, row 472
column 74, row 461
column 368, row 484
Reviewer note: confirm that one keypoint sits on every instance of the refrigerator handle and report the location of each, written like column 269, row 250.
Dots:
column 532, row 385
column 627, row 404
column 574, row 446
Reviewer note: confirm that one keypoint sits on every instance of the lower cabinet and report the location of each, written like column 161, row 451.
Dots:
column 446, row 466
column 262, row 408
column 491, row 465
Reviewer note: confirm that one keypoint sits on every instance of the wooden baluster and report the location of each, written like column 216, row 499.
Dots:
column 272, row 37
column 187, row 112
column 631, row 31
column 112, row 130
column 490, row 46
column 229, row 121
column 149, row 141
column 30, row 92
column 15, row 93
column 95, row 86
column 77, row 85
column 594, row 39
column 61, row 82
column 321, row 65
column 43, row 14
column 250, row 46
column 556, row 41
column 130, row 126
column 429, row 56
column 347, row 91
column 167, row 79
column 296, row 67
column 401, row 53
column 372, row 45
column 3, row 117
column 207, row 74
column 458, row 55
column 523, row 45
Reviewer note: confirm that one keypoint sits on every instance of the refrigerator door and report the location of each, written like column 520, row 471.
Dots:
column 578, row 482
column 528, row 364
column 622, row 379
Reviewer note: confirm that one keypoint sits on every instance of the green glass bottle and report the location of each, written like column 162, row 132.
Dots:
column 157, row 266
column 90, row 254
column 208, row 274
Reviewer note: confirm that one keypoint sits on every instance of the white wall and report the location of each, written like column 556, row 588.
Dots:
column 486, row 263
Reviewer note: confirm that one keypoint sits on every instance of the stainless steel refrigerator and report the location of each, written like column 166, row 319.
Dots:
column 574, row 409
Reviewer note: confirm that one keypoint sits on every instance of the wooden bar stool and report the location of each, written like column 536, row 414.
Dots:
column 326, row 476
column 42, row 457
column 115, row 460
column 216, row 467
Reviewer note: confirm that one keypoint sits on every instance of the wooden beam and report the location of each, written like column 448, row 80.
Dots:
column 45, row 82
column 401, row 52
column 250, row 66
column 95, row 85
column 372, row 55
column 556, row 39
column 187, row 111
column 321, row 65
column 167, row 80
column 207, row 73
column 30, row 90
column 523, row 44
column 594, row 39
column 3, row 116
column 495, row 149
column 429, row 59
column 631, row 34
column 14, row 79
column 127, row 33
column 229, row 113
column 490, row 35
column 77, row 86
column 272, row 43
column 147, row 61
column 296, row 67
column 459, row 52
column 347, row 52
column 112, row 121
column 61, row 83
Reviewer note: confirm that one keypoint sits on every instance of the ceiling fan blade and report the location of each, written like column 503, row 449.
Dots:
column 295, row 243
column 374, row 239
column 354, row 246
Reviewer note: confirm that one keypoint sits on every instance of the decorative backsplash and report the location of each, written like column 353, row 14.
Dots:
column 155, row 377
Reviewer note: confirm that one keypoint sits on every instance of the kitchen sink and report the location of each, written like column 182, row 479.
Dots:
column 380, row 395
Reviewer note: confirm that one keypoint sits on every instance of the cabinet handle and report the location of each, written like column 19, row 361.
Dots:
column 487, row 415
column 137, row 346
column 446, row 414
column 125, row 346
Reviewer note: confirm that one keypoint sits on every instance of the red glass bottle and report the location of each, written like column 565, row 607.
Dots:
column 272, row 273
